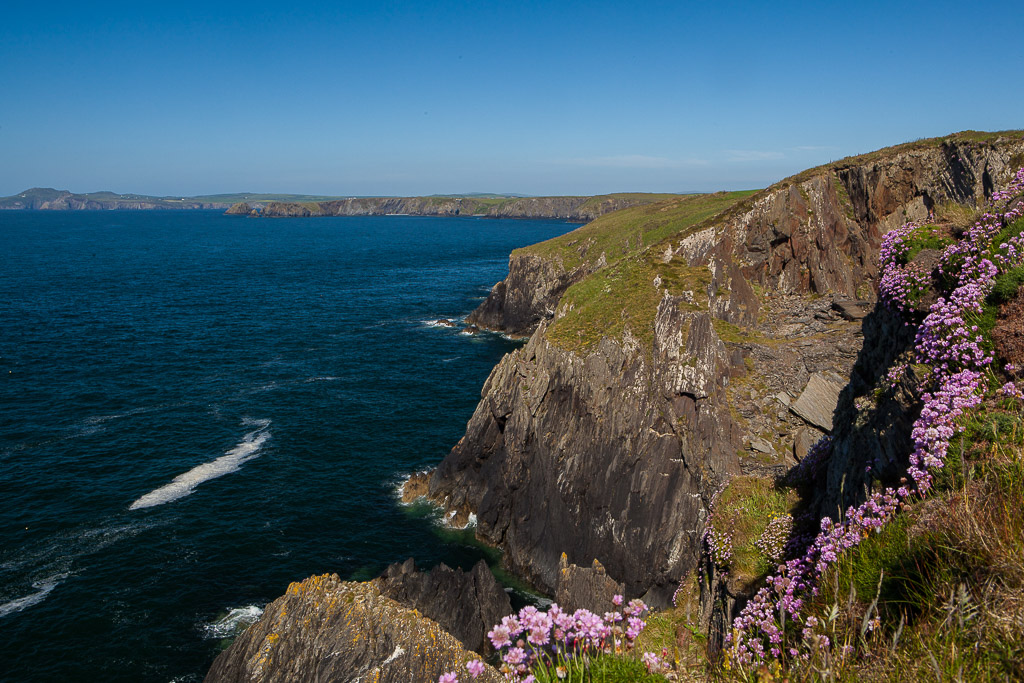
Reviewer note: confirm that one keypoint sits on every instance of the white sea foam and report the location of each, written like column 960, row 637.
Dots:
column 182, row 485
column 397, row 486
column 325, row 378
column 234, row 622
column 100, row 419
column 448, row 521
column 43, row 589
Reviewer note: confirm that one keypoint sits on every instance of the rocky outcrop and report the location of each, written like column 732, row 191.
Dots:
column 586, row 588
column 613, row 451
column 529, row 294
column 465, row 604
column 562, row 455
column 239, row 209
column 325, row 629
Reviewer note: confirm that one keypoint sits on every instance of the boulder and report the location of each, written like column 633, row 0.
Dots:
column 818, row 401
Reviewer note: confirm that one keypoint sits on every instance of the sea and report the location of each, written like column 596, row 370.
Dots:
column 198, row 409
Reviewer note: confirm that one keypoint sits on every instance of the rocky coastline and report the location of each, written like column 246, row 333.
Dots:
column 597, row 450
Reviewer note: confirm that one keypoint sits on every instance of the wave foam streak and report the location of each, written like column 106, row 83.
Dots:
column 182, row 485
column 43, row 589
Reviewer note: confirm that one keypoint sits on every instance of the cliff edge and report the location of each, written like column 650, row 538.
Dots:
column 686, row 353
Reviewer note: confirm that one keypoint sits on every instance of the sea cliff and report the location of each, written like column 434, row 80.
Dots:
column 718, row 350
column 690, row 353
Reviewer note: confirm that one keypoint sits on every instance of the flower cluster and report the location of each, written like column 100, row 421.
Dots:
column 560, row 641
column 895, row 246
column 759, row 632
column 952, row 347
column 718, row 542
column 1011, row 390
column 902, row 285
column 474, row 666
column 772, row 542
column 656, row 663
column 719, row 546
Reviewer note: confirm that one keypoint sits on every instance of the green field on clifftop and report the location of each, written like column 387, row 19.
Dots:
column 626, row 231
column 624, row 294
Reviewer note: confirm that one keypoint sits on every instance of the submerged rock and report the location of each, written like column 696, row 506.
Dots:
column 328, row 630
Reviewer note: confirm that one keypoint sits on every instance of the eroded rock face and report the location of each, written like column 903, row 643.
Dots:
column 529, row 294
column 325, row 629
column 579, row 455
column 586, row 588
column 614, row 453
column 466, row 604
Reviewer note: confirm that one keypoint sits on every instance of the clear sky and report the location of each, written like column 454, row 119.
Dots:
column 406, row 98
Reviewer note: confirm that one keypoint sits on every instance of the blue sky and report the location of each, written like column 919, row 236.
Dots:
column 405, row 98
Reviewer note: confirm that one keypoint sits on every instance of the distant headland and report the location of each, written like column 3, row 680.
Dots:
column 573, row 208
column 581, row 209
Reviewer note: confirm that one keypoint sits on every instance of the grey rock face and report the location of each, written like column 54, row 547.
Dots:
column 465, row 604
column 871, row 438
column 585, row 587
column 597, row 457
column 329, row 630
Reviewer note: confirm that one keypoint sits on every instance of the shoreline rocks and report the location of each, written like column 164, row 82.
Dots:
column 328, row 630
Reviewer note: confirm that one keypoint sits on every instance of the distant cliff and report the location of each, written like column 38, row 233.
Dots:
column 568, row 208
column 48, row 199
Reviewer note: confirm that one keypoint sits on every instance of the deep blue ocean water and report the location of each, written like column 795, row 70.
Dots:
column 198, row 409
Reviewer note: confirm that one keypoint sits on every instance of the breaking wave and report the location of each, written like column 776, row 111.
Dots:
column 182, row 485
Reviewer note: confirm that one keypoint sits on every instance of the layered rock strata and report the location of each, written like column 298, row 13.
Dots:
column 613, row 451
